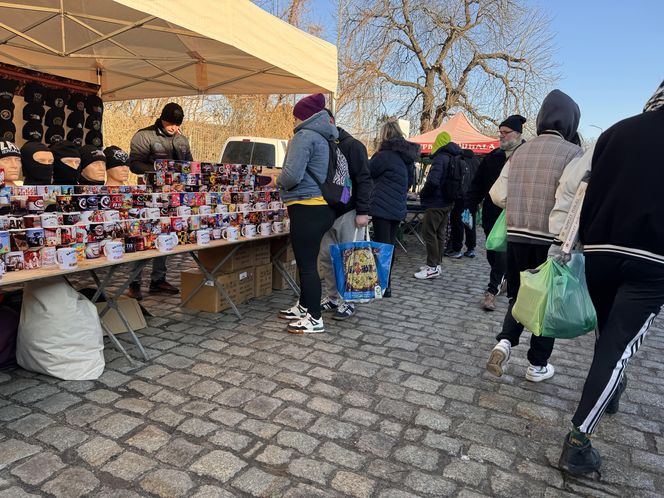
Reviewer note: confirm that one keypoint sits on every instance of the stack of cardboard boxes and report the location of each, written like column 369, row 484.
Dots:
column 246, row 274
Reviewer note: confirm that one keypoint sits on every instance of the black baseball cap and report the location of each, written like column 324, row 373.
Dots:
column 93, row 122
column 33, row 131
column 55, row 116
column 7, row 89
column 76, row 102
column 33, row 112
column 54, row 134
column 75, row 135
column 93, row 104
column 56, row 97
column 6, row 110
column 76, row 120
column 7, row 131
column 95, row 138
column 34, row 93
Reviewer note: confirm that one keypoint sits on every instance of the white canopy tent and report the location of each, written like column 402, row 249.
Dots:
column 165, row 48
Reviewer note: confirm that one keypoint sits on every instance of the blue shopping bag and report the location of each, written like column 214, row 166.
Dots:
column 362, row 268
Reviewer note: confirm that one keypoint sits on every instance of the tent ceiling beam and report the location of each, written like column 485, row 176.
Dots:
column 150, row 79
column 102, row 38
column 29, row 38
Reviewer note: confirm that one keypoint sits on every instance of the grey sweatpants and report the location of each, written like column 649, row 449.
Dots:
column 343, row 230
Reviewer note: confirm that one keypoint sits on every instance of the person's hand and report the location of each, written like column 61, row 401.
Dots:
column 556, row 253
column 361, row 220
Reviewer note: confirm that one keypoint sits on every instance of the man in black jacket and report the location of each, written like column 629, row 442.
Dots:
column 355, row 217
column 510, row 132
column 162, row 140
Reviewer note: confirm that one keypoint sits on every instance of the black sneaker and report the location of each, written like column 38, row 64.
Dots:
column 470, row 253
column 134, row 292
column 162, row 287
column 329, row 304
column 387, row 292
column 614, row 404
column 579, row 459
column 345, row 310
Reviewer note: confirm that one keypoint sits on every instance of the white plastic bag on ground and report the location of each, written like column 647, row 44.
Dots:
column 59, row 333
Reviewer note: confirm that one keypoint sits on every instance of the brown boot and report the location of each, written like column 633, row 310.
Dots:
column 489, row 302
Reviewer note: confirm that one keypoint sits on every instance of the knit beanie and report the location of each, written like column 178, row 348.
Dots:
column 442, row 140
column 8, row 149
column 35, row 173
column 172, row 113
column 115, row 157
column 308, row 106
column 63, row 174
column 89, row 155
column 514, row 123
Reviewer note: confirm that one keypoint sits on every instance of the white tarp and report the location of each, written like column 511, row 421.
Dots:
column 166, row 48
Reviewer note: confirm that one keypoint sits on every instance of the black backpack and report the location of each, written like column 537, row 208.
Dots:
column 458, row 178
column 337, row 187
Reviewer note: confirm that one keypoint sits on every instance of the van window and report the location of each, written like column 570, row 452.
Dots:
column 254, row 153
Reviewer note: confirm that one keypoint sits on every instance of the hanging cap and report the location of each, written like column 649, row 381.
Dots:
column 93, row 104
column 55, row 134
column 93, row 122
column 95, row 138
column 34, row 93
column 33, row 131
column 76, row 102
column 33, row 112
column 6, row 110
column 55, row 116
column 75, row 136
column 7, row 131
column 7, row 89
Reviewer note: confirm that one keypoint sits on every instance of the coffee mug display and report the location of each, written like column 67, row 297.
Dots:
column 203, row 237
column 35, row 237
column 48, row 256
column 249, row 231
column 166, row 242
column 278, row 226
column 114, row 250
column 92, row 250
column 14, row 261
column 49, row 220
column 265, row 228
column 230, row 233
column 66, row 258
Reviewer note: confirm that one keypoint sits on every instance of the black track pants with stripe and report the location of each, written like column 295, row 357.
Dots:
column 627, row 294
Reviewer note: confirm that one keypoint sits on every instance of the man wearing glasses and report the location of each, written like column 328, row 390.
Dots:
column 489, row 170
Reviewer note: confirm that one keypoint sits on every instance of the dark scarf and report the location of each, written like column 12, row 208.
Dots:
column 63, row 174
column 35, row 173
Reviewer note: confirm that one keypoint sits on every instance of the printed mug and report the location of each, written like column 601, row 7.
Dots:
column 92, row 250
column 260, row 206
column 49, row 220
column 205, row 209
column 230, row 233
column 265, row 228
column 111, row 215
column 202, row 237
column 278, row 227
column 66, row 258
column 113, row 250
column 166, row 242
column 48, row 256
column 216, row 233
column 275, row 205
column 248, row 231
column 221, row 209
column 183, row 211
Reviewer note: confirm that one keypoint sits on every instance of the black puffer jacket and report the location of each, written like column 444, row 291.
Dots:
column 151, row 143
column 393, row 170
column 487, row 174
column 431, row 195
column 358, row 168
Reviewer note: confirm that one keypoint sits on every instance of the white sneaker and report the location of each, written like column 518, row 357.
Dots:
column 538, row 374
column 307, row 325
column 500, row 355
column 439, row 268
column 294, row 313
column 428, row 272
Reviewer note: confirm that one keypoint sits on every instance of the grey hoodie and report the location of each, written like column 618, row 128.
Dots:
column 308, row 150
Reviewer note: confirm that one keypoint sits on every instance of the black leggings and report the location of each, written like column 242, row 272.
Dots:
column 308, row 225
column 385, row 231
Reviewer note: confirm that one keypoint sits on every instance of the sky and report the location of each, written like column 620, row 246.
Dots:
column 610, row 54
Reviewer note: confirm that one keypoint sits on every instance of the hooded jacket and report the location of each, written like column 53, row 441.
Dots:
column 358, row 169
column 393, row 170
column 431, row 195
column 308, row 154
column 151, row 143
column 527, row 184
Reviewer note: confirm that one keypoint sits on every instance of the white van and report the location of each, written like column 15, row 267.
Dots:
column 257, row 151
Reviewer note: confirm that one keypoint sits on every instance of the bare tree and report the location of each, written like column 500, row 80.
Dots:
column 488, row 58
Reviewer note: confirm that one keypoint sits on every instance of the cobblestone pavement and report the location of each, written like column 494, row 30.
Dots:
column 393, row 403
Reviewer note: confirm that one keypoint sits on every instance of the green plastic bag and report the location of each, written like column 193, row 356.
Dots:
column 497, row 239
column 553, row 300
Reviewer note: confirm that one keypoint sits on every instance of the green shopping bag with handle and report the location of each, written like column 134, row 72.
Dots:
column 553, row 300
column 497, row 239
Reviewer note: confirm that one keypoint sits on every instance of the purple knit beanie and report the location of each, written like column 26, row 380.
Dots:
column 308, row 106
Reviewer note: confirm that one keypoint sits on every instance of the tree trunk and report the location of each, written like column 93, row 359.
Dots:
column 428, row 101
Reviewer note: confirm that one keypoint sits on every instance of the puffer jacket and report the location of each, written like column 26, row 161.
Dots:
column 431, row 195
column 393, row 170
column 153, row 143
column 308, row 154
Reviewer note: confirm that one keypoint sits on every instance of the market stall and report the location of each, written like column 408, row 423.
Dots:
column 462, row 132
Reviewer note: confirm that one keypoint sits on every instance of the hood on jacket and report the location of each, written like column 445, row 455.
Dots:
column 320, row 123
column 559, row 113
column 343, row 134
column 409, row 151
column 451, row 148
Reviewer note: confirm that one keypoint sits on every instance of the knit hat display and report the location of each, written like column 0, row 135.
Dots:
column 89, row 155
column 54, row 134
column 442, row 140
column 7, row 131
column 56, row 98
column 55, row 117
column 308, row 106
column 35, row 173
column 9, row 149
column 76, row 119
column 514, row 122
column 34, row 93
column 63, row 174
column 33, row 131
column 7, row 89
column 95, row 138
column 33, row 112
column 172, row 113
column 76, row 102
column 115, row 157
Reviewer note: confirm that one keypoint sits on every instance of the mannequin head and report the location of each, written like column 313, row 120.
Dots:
column 37, row 161
column 10, row 162
column 117, row 166
column 92, row 170
column 67, row 159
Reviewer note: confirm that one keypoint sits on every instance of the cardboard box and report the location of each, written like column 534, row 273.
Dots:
column 131, row 311
column 263, row 280
column 262, row 254
column 239, row 286
column 242, row 259
column 278, row 244
column 278, row 281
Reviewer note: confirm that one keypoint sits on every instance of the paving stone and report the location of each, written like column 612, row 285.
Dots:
column 230, row 439
column 235, row 397
column 431, row 401
column 196, row 427
column 150, row 439
column 255, row 482
column 397, row 409
column 38, row 468
column 213, row 492
column 167, row 483
column 396, row 493
column 16, row 492
column 179, row 452
column 73, row 482
column 166, row 416
column 308, row 491
column 169, row 397
column 139, row 406
column 324, row 405
column 102, row 396
column 199, row 408
column 333, row 429
column 391, row 428
column 361, row 417
column 358, row 399
column 117, row 425
column 206, row 389
column 430, row 484
column 227, row 417
column 30, row 424
column 113, row 379
column 85, row 414
column 421, row 458
column 62, row 437
column 488, row 454
column 153, row 371
column 98, row 451
column 422, row 384
column 12, row 412
column 312, row 470
column 129, row 466
column 334, row 453
column 34, row 394
column 301, row 442
column 262, row 406
column 218, row 464
column 274, row 455
column 376, row 443
column 648, row 461
column 57, row 403
column 261, row 429
column 363, row 368
column 460, row 393
column 387, row 471
column 433, row 420
column 537, row 412
column 466, row 471
column 293, row 379
column 353, row 485
column 294, row 417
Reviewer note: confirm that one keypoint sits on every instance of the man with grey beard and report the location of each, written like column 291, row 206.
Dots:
column 510, row 132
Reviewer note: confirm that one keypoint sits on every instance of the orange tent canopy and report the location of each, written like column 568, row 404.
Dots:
column 462, row 133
